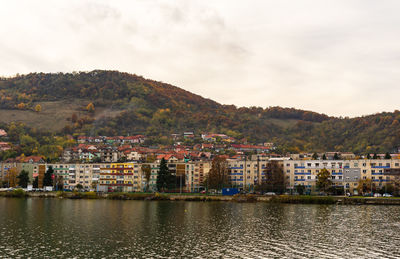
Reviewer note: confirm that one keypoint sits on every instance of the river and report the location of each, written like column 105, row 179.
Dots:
column 159, row 229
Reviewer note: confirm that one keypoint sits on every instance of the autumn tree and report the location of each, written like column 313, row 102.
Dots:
column 146, row 170
column 21, row 106
column 74, row 117
column 90, row 107
column 274, row 177
column 11, row 177
column 38, row 108
column 365, row 186
column 324, row 182
column 218, row 176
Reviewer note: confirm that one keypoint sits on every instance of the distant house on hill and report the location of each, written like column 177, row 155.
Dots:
column 3, row 133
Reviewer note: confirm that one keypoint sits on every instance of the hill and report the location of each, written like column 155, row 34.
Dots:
column 130, row 104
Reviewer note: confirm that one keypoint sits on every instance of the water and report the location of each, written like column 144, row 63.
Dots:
column 100, row 228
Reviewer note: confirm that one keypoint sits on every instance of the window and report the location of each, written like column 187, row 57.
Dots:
column 309, row 177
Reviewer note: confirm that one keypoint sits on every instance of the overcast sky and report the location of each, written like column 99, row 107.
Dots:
column 337, row 57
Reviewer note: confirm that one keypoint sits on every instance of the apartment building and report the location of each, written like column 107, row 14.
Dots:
column 344, row 173
column 120, row 177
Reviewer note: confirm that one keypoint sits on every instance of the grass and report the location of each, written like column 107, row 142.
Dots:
column 54, row 115
column 17, row 193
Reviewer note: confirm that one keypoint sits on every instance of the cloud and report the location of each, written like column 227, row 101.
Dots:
column 337, row 57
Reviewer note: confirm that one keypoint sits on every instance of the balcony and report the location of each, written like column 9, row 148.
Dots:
column 382, row 166
column 300, row 180
column 298, row 173
column 300, row 167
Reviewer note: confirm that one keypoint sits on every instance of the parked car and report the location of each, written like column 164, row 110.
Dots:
column 387, row 195
column 377, row 195
column 270, row 193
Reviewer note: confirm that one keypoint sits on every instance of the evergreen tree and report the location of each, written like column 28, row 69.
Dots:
column 387, row 156
column 368, row 156
column 336, row 157
column 375, row 156
column 324, row 157
column 48, row 177
column 165, row 180
column 23, row 179
column 36, row 182
column 315, row 156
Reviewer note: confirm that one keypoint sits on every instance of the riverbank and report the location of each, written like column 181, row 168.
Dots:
column 289, row 199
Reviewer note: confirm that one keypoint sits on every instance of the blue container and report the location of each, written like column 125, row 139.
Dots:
column 230, row 191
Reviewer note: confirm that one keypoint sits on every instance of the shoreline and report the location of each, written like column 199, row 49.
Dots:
column 283, row 199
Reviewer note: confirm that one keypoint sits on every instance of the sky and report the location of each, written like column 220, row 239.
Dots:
column 338, row 57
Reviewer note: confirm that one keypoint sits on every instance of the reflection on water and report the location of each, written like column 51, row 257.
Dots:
column 101, row 228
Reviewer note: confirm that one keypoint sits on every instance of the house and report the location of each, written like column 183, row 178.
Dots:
column 188, row 134
column 4, row 146
column 3, row 133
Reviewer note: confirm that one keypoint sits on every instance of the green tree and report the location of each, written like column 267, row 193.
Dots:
column 387, row 156
column 48, row 177
column 79, row 186
column 324, row 182
column 324, row 157
column 368, row 156
column 218, row 177
column 375, row 156
column 165, row 180
column 23, row 179
column 35, row 182
column 300, row 189
column 336, row 156
column 315, row 156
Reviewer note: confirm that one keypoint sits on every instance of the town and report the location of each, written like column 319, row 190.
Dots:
column 125, row 164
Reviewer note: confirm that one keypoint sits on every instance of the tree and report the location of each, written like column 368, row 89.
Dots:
column 300, row 189
column 11, row 177
column 36, row 182
column 38, row 108
column 146, row 170
column 274, row 177
column 375, row 156
column 90, row 107
column 165, row 180
column 315, row 156
column 324, row 182
column 365, row 186
column 218, row 177
column 324, row 157
column 48, row 177
column 368, row 156
column 23, row 179
column 21, row 106
column 74, row 118
column 336, row 156
column 79, row 186
column 387, row 156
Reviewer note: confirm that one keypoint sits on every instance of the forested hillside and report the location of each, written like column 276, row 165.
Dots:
column 115, row 103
